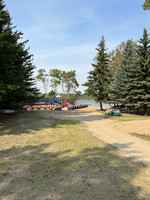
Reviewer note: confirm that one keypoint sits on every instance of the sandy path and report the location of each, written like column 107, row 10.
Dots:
column 107, row 131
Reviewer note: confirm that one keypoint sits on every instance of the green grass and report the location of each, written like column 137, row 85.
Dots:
column 142, row 136
column 125, row 117
column 42, row 158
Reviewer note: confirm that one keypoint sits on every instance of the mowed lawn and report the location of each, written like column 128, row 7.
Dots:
column 50, row 159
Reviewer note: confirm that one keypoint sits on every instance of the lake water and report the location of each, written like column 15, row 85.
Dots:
column 91, row 103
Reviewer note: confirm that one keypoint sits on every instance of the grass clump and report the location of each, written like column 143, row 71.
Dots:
column 141, row 136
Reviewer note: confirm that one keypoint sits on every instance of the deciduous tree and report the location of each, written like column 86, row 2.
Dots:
column 55, row 75
column 43, row 78
column 146, row 5
column 70, row 81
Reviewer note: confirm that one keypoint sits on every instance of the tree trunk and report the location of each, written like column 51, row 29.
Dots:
column 128, row 109
column 55, row 89
column 68, row 90
column 101, row 106
column 145, row 110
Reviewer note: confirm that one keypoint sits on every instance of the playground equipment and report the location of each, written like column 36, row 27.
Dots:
column 53, row 104
column 42, row 107
column 57, row 104
column 67, row 104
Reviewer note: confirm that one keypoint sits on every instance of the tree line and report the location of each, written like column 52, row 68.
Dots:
column 123, row 75
column 66, row 80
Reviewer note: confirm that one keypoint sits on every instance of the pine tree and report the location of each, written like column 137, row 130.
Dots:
column 16, row 68
column 115, row 89
column 122, row 84
column 98, row 79
column 131, row 83
column 141, row 79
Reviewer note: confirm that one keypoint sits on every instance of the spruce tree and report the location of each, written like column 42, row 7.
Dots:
column 16, row 68
column 98, row 79
column 141, row 80
column 115, row 90
column 121, row 85
column 131, row 83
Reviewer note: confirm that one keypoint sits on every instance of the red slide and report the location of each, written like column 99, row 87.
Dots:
column 66, row 103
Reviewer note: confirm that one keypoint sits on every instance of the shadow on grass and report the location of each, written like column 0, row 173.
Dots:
column 29, row 123
column 94, row 173
column 78, row 115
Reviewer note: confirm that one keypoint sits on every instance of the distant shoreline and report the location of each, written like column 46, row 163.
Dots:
column 92, row 103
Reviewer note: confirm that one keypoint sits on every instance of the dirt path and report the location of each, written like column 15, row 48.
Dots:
column 111, row 132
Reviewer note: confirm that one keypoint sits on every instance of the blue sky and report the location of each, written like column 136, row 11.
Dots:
column 63, row 34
